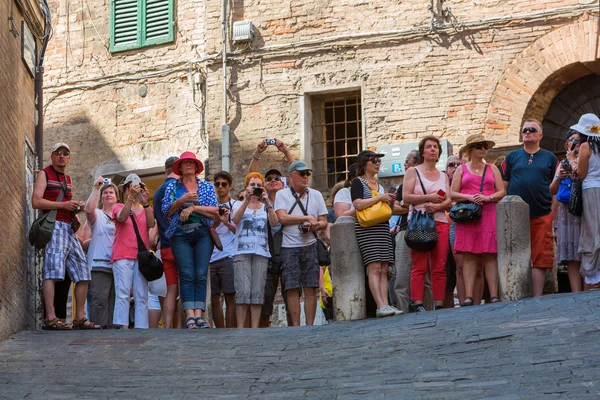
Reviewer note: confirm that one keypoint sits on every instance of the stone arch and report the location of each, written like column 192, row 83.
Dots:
column 538, row 73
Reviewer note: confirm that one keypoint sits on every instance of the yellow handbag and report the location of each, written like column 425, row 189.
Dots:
column 375, row 214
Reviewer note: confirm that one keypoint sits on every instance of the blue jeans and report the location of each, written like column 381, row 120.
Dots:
column 192, row 253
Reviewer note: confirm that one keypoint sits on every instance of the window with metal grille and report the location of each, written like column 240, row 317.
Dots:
column 336, row 137
column 140, row 23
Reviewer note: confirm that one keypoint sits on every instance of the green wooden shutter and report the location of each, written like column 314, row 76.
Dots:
column 158, row 22
column 125, row 30
column 139, row 23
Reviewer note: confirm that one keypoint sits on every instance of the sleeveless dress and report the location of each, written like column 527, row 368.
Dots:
column 479, row 236
column 589, row 240
column 375, row 242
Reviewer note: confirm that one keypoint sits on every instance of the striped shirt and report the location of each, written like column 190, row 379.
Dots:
column 54, row 186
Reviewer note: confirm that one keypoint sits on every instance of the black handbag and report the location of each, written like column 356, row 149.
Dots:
column 323, row 254
column 422, row 234
column 150, row 266
column 42, row 228
column 575, row 199
column 467, row 211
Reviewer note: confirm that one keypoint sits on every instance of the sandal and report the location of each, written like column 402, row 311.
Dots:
column 55, row 325
column 202, row 323
column 190, row 323
column 468, row 302
column 84, row 324
column 494, row 299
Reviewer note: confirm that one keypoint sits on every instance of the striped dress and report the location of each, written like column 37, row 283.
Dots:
column 375, row 242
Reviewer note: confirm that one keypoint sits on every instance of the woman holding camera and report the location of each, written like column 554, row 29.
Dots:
column 251, row 248
column 568, row 225
column 375, row 242
column 190, row 205
column 99, row 211
column 124, row 261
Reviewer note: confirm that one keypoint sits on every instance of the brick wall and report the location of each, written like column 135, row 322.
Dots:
column 17, row 123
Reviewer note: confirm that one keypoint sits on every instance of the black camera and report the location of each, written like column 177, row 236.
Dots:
column 304, row 227
column 566, row 166
column 257, row 191
column 222, row 210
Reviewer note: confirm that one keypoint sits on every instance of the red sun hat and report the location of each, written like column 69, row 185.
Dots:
column 188, row 155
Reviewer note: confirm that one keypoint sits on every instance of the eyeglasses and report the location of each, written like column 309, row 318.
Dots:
column 221, row 184
column 530, row 159
column 480, row 146
column 529, row 130
column 63, row 153
column 454, row 164
column 304, row 173
column 254, row 184
column 273, row 178
column 375, row 160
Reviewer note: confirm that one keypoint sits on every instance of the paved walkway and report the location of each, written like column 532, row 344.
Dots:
column 534, row 349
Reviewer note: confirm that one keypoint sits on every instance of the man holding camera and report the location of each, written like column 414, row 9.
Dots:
column 302, row 213
column 528, row 173
column 64, row 251
column 221, row 262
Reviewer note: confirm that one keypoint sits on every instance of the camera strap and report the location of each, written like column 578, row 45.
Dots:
column 299, row 203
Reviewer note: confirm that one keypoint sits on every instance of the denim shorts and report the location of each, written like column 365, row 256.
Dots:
column 300, row 267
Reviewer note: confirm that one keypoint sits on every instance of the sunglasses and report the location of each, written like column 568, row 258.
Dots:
column 304, row 173
column 221, row 184
column 454, row 164
column 63, row 153
column 529, row 130
column 253, row 184
column 375, row 160
column 273, row 178
column 480, row 146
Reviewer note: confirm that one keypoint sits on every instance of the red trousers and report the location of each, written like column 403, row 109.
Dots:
column 436, row 259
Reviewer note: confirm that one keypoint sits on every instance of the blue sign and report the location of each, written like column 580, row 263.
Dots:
column 396, row 168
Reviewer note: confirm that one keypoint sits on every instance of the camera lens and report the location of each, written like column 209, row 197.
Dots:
column 221, row 211
column 257, row 192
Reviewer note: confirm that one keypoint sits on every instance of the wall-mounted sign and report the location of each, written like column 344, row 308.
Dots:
column 393, row 162
column 28, row 48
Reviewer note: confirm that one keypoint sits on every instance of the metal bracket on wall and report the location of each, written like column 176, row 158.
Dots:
column 441, row 14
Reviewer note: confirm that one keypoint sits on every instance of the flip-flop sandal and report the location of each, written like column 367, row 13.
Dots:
column 190, row 323
column 80, row 324
column 55, row 325
column 494, row 300
column 470, row 303
column 202, row 323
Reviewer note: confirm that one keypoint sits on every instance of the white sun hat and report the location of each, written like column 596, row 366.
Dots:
column 589, row 125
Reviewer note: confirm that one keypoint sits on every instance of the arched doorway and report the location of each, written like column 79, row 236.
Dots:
column 577, row 98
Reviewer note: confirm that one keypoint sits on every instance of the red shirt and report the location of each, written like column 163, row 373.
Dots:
column 54, row 187
column 125, row 246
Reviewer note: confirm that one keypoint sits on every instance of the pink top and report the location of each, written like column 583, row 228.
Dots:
column 431, row 187
column 471, row 183
column 125, row 246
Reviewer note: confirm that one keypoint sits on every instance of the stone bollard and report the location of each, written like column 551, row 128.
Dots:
column 514, row 249
column 348, row 272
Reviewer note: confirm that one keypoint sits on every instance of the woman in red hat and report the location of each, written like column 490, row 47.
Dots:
column 189, row 205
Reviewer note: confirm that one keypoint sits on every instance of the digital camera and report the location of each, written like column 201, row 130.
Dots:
column 270, row 142
column 257, row 192
column 106, row 181
column 222, row 210
column 304, row 227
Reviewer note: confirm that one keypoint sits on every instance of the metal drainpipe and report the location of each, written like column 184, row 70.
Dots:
column 225, row 156
column 39, row 96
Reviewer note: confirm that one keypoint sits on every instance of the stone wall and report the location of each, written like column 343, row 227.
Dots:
column 16, row 125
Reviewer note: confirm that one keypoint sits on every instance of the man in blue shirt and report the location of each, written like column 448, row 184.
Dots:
column 528, row 173
column 166, row 254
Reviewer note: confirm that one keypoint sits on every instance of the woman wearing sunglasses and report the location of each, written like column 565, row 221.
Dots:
column 190, row 205
column 477, row 240
column 375, row 242
column 251, row 249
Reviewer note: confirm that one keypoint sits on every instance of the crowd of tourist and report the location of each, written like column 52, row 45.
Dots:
column 421, row 242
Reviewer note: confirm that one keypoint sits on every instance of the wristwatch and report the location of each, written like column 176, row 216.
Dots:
column 402, row 204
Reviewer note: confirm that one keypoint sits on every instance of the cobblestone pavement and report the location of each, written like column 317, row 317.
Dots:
column 533, row 349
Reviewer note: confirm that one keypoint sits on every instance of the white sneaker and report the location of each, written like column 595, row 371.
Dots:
column 395, row 310
column 384, row 311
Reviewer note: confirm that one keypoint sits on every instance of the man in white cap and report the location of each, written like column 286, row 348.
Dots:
column 63, row 253
column 300, row 266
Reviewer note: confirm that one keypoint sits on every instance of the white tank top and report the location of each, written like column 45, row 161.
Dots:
column 592, row 179
column 103, row 236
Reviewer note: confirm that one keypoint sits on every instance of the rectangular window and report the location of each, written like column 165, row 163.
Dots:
column 336, row 136
column 140, row 23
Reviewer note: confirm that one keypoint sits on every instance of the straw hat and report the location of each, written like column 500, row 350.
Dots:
column 477, row 138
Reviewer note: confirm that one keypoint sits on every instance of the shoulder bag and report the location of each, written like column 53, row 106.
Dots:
column 150, row 266
column 375, row 214
column 575, row 199
column 422, row 234
column 322, row 252
column 42, row 228
column 467, row 211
